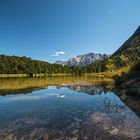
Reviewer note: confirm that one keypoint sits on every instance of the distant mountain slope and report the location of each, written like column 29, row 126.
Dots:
column 132, row 42
column 59, row 62
column 129, row 52
column 125, row 57
column 86, row 59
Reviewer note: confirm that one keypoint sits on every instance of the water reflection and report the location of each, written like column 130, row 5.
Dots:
column 68, row 111
column 27, row 85
column 89, row 88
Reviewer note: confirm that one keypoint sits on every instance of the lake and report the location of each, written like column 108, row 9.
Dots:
column 67, row 108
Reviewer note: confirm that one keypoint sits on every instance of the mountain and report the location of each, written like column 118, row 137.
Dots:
column 59, row 62
column 129, row 53
column 122, row 59
column 86, row 59
column 133, row 42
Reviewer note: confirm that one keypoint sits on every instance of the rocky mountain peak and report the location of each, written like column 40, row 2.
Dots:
column 86, row 59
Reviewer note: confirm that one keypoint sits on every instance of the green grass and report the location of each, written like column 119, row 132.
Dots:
column 13, row 75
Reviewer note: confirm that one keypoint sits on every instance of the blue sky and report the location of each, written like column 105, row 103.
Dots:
column 53, row 30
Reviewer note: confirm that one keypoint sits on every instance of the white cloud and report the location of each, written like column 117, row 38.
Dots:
column 58, row 53
column 61, row 96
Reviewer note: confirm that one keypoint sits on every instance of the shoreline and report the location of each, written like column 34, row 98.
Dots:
column 45, row 75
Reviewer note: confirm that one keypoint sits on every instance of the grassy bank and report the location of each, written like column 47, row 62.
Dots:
column 13, row 75
column 30, row 75
column 110, row 74
column 44, row 75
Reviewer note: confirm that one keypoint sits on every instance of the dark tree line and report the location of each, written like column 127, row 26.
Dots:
column 21, row 65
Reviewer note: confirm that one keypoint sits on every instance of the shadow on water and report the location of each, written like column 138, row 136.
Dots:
column 66, row 108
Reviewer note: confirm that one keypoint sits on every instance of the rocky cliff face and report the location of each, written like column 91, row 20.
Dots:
column 86, row 59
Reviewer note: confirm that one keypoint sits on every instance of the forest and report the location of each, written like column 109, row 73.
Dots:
column 25, row 65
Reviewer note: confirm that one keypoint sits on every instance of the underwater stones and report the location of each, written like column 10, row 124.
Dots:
column 85, row 138
column 72, row 125
column 114, row 131
column 74, row 138
column 56, row 135
column 45, row 137
column 75, row 131
column 77, row 119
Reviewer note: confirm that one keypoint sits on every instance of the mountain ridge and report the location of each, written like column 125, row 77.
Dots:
column 83, row 60
column 59, row 62
column 132, row 41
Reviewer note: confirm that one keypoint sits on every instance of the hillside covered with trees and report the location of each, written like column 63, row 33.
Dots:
column 125, row 57
column 24, row 65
